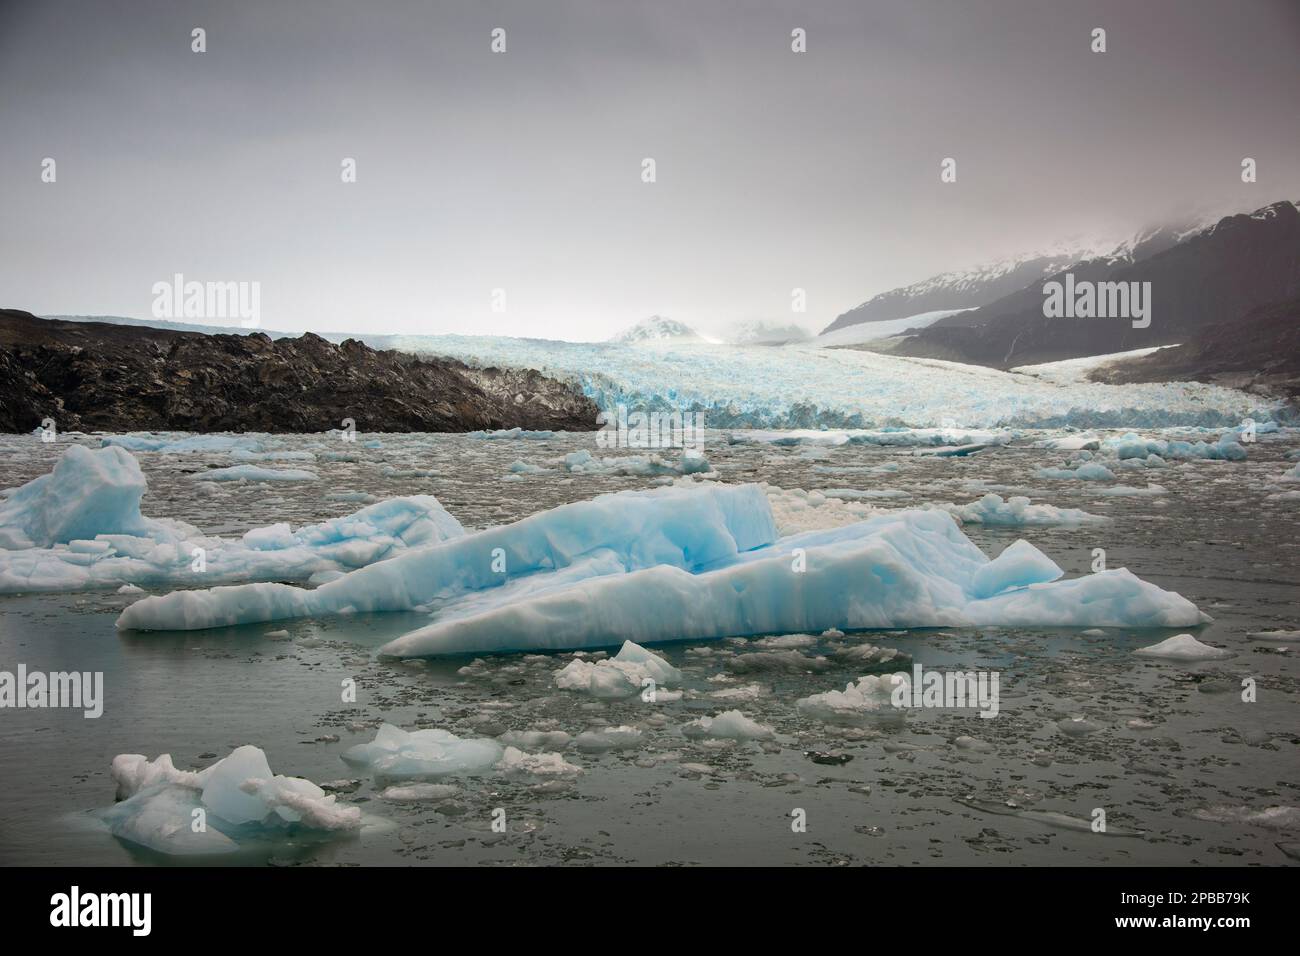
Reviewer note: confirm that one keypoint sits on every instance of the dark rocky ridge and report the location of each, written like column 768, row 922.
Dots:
column 1259, row 352
column 96, row 376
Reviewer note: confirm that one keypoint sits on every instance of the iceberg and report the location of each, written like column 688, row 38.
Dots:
column 89, row 492
column 80, row 527
column 240, row 798
column 686, row 563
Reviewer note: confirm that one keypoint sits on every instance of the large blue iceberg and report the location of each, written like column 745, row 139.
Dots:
column 687, row 563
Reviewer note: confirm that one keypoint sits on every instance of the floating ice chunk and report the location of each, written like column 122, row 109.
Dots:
column 518, row 763
column 527, row 468
column 536, row 739
column 1292, row 474
column 1183, row 647
column 1019, row 565
column 179, row 443
column 89, row 492
column 1079, row 442
column 681, row 527
column 728, row 725
column 611, row 738
column 399, row 754
column 512, row 433
column 1135, row 446
column 1088, row 471
column 650, row 466
column 418, row 792
column 240, row 797
column 622, row 675
column 1275, row 818
column 1128, row 491
column 1018, row 512
column 255, row 473
column 859, row 703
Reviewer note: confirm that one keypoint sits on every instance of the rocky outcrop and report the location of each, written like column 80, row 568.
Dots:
column 1260, row 352
column 96, row 376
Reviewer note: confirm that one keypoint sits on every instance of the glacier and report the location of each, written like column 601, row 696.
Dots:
column 805, row 386
column 692, row 561
column 81, row 527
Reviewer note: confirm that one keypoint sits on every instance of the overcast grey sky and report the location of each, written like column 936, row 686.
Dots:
column 522, row 170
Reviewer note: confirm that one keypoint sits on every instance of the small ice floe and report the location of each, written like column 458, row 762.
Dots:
column 971, row 743
column 238, row 801
column 130, row 589
column 517, row 763
column 1048, row 818
column 786, row 640
column 1077, row 727
column 622, row 675
column 399, row 754
column 1128, row 491
column 255, row 473
column 1132, row 445
column 611, row 738
column 871, row 698
column 419, row 792
column 648, row 466
column 1275, row 818
column 1017, row 512
column 729, row 725
column 536, row 739
column 512, row 434
column 743, row 694
column 1183, row 647
column 1087, row 471
column 518, row 467
column 873, row 657
column 1274, row 637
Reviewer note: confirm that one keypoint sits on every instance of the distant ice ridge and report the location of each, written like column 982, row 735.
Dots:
column 802, row 386
column 688, row 563
column 242, row 801
column 80, row 527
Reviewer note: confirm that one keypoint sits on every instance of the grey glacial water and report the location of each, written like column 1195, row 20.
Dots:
column 1171, row 753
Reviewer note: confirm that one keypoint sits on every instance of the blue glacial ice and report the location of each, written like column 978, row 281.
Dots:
column 80, row 527
column 688, row 562
column 810, row 387
column 242, row 801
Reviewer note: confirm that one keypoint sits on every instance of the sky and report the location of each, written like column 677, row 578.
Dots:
column 522, row 171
